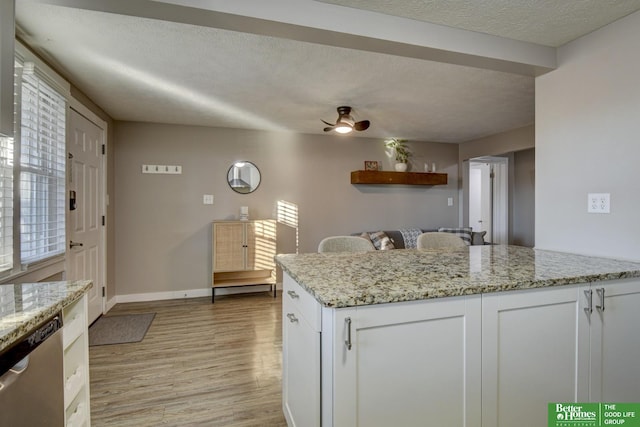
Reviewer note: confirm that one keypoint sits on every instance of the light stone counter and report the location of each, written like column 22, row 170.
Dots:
column 354, row 279
column 24, row 307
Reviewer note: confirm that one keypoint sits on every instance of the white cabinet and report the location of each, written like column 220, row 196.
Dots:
column 615, row 342
column 535, row 350
column 410, row 364
column 76, row 364
column 7, row 37
column 243, row 253
column 301, row 355
column 494, row 359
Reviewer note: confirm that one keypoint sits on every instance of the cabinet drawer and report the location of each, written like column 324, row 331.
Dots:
column 77, row 414
column 74, row 326
column 75, row 370
column 303, row 301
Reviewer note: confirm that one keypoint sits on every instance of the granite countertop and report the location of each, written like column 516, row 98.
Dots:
column 24, row 307
column 377, row 277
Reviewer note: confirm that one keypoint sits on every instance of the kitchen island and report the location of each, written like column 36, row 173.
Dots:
column 484, row 336
column 26, row 307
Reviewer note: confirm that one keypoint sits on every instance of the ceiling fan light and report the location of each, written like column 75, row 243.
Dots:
column 343, row 128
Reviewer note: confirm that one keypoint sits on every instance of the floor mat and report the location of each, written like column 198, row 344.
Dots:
column 120, row 329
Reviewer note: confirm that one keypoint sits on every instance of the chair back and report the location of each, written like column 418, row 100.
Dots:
column 345, row 244
column 436, row 240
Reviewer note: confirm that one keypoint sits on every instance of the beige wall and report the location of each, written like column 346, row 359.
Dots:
column 587, row 128
column 163, row 229
column 506, row 142
column 522, row 222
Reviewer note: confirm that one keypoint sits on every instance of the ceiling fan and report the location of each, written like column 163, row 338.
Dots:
column 345, row 122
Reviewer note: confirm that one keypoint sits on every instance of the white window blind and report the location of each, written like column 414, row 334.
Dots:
column 42, row 170
column 6, row 203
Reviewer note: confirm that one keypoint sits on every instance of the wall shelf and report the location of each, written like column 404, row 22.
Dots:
column 403, row 178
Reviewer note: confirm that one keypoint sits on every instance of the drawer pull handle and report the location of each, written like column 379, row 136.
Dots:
column 589, row 308
column 600, row 292
column 293, row 294
column 348, row 340
column 292, row 317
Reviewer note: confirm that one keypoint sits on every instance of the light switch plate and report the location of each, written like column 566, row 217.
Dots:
column 207, row 199
column 450, row 201
column 599, row 203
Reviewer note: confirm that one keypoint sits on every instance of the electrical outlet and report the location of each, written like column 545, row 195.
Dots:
column 450, row 201
column 599, row 203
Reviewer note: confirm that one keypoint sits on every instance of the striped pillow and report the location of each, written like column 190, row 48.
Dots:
column 463, row 232
column 381, row 241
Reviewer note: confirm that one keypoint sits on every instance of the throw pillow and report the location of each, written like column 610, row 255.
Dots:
column 463, row 232
column 381, row 241
column 477, row 237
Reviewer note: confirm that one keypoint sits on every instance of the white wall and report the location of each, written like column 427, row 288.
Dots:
column 163, row 229
column 588, row 140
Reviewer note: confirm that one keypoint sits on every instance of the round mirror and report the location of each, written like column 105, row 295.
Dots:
column 243, row 177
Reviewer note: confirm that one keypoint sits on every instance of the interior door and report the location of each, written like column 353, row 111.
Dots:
column 85, row 254
column 480, row 198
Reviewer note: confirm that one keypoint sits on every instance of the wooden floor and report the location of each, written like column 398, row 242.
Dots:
column 199, row 364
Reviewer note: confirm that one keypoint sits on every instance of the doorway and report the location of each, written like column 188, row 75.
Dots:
column 489, row 198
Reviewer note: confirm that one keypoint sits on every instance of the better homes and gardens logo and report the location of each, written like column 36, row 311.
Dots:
column 594, row 414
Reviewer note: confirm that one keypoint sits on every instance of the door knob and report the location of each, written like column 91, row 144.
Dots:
column 73, row 244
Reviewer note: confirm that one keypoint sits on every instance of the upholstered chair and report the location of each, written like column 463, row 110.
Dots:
column 437, row 240
column 345, row 244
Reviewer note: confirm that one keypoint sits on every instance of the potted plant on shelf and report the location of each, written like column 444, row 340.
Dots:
column 401, row 151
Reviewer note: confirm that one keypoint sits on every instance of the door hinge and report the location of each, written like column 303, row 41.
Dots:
column 103, row 294
column 103, row 220
column 103, row 149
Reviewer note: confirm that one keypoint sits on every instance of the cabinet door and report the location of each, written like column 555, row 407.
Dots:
column 534, row 351
column 261, row 245
column 615, row 342
column 410, row 364
column 301, row 368
column 228, row 246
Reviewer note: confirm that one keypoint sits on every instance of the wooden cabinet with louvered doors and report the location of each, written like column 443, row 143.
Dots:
column 243, row 254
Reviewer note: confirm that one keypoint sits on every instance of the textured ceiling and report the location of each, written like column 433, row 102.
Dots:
column 546, row 22
column 155, row 70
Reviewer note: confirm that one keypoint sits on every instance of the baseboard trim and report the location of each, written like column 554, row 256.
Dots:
column 189, row 293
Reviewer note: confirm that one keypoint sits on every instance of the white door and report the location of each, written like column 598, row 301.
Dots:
column 480, row 198
column 409, row 364
column 615, row 343
column 535, row 350
column 488, row 197
column 85, row 255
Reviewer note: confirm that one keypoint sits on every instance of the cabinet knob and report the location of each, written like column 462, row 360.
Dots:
column 293, row 294
column 292, row 317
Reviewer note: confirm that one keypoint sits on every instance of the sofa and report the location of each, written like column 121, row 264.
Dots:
column 406, row 238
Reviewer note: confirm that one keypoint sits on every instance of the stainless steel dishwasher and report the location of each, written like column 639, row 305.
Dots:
column 31, row 379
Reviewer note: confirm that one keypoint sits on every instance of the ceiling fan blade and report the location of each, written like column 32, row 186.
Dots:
column 327, row 123
column 329, row 129
column 363, row 125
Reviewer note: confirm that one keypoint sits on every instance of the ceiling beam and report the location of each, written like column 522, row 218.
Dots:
column 315, row 22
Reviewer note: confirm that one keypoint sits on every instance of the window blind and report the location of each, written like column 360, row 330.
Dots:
column 42, row 170
column 6, row 203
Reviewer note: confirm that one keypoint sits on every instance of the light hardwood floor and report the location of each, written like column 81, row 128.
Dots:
column 199, row 364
